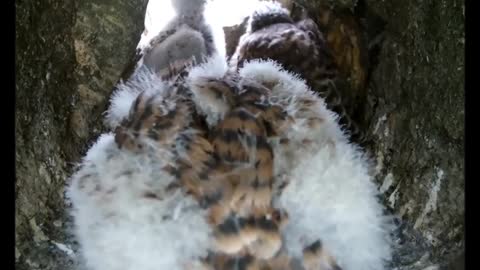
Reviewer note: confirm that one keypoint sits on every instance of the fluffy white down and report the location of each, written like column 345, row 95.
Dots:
column 126, row 92
column 288, row 90
column 118, row 227
column 331, row 196
column 215, row 67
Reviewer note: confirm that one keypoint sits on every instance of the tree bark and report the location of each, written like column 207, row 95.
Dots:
column 69, row 55
column 418, row 124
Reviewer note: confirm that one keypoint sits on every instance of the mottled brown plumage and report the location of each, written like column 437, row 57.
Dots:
column 153, row 118
column 227, row 168
column 314, row 257
column 244, row 221
column 299, row 47
column 167, row 121
column 257, row 235
column 240, row 142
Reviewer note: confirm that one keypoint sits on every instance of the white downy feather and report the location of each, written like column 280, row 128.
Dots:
column 118, row 227
column 331, row 196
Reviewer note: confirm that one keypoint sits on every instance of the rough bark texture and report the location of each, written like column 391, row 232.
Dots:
column 69, row 55
column 413, row 112
column 418, row 123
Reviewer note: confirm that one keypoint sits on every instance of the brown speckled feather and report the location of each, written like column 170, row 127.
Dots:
column 228, row 168
column 300, row 48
